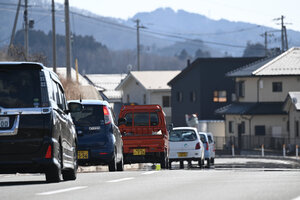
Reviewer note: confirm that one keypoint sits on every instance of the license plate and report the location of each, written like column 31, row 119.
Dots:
column 182, row 154
column 139, row 152
column 4, row 122
column 83, row 155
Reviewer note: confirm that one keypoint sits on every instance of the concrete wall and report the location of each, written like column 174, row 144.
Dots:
column 216, row 127
column 261, row 88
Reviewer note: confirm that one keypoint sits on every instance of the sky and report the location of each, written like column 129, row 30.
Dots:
column 260, row 12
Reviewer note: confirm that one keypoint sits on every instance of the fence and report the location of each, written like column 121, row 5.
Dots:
column 246, row 142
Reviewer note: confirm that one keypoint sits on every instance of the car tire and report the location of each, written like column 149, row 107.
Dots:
column 181, row 165
column 112, row 165
column 189, row 164
column 53, row 173
column 120, row 165
column 71, row 174
column 200, row 163
column 170, row 164
column 164, row 161
column 208, row 162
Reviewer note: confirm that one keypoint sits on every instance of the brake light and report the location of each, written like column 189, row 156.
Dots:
column 198, row 146
column 207, row 146
column 107, row 119
column 49, row 152
column 103, row 153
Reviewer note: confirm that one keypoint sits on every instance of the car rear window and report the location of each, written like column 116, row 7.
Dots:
column 91, row 115
column 19, row 88
column 142, row 119
column 203, row 138
column 210, row 140
column 182, row 135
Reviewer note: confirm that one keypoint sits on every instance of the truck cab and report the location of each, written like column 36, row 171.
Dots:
column 144, row 133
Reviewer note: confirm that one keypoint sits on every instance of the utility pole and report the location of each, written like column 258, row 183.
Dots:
column 282, row 32
column 286, row 41
column 138, row 42
column 53, row 38
column 68, row 43
column 266, row 43
column 14, row 28
column 26, row 29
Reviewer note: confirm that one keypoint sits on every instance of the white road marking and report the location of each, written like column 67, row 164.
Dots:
column 120, row 180
column 150, row 172
column 62, row 190
column 297, row 198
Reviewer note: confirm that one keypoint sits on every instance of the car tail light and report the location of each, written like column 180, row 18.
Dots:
column 207, row 146
column 49, row 152
column 103, row 153
column 107, row 119
column 198, row 146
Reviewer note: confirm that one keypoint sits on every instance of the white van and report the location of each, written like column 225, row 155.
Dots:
column 209, row 147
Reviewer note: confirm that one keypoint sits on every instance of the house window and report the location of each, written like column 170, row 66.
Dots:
column 144, row 99
column 230, row 126
column 179, row 96
column 297, row 128
column 260, row 130
column 240, row 90
column 277, row 86
column 166, row 101
column 220, row 96
column 128, row 98
column 193, row 96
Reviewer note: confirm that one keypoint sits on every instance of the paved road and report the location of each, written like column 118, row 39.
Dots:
column 218, row 183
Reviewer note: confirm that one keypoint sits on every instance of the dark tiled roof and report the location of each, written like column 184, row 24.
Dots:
column 262, row 108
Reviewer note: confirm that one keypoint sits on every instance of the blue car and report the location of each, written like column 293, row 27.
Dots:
column 99, row 138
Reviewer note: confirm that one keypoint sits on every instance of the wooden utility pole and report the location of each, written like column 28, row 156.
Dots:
column 68, row 42
column 53, row 38
column 26, row 29
column 14, row 28
column 138, row 42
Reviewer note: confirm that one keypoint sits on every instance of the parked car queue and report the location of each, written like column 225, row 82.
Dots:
column 43, row 133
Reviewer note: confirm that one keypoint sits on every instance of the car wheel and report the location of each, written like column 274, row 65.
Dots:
column 120, row 165
column 164, row 161
column 181, row 165
column 208, row 163
column 53, row 173
column 71, row 174
column 170, row 164
column 112, row 165
column 200, row 163
column 189, row 164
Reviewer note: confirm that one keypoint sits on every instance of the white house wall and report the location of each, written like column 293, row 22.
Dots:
column 135, row 91
column 291, row 83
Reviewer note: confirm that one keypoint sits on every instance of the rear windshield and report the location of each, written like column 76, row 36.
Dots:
column 142, row 119
column 91, row 115
column 19, row 88
column 203, row 138
column 182, row 135
column 210, row 140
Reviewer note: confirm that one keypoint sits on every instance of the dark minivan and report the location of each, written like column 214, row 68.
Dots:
column 99, row 138
column 37, row 134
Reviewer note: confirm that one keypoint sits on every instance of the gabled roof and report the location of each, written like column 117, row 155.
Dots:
column 292, row 98
column 261, row 108
column 107, row 83
column 151, row 80
column 285, row 64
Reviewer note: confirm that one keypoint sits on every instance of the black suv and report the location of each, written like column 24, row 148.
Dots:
column 99, row 138
column 37, row 134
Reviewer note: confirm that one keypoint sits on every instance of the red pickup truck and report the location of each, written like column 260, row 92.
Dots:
column 144, row 133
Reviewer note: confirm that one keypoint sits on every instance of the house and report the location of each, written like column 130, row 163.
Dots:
column 257, row 116
column 202, row 87
column 292, row 107
column 148, row 87
column 106, row 85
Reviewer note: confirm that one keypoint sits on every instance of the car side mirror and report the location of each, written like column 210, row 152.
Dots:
column 170, row 127
column 75, row 107
column 121, row 121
